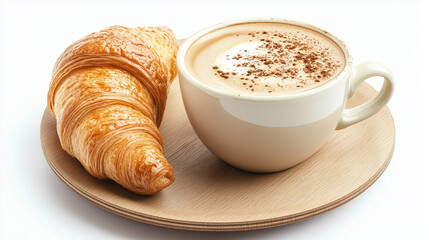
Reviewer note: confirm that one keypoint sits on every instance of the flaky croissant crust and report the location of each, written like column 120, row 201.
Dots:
column 108, row 93
column 147, row 53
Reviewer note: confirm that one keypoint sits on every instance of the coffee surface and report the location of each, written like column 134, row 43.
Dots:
column 264, row 59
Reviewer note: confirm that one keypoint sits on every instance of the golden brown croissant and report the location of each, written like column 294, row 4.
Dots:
column 108, row 94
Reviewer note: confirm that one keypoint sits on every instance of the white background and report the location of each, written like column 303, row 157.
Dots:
column 34, row 203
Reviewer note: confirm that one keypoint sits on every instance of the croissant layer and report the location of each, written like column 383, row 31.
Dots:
column 108, row 94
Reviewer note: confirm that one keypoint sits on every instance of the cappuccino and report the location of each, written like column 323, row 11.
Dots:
column 264, row 58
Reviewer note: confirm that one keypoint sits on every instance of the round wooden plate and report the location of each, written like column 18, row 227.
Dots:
column 210, row 195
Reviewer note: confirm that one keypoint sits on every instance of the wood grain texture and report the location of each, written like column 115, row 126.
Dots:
column 210, row 195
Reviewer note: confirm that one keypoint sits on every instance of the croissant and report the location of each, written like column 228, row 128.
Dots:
column 108, row 94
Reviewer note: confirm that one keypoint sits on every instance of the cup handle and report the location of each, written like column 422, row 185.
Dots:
column 360, row 73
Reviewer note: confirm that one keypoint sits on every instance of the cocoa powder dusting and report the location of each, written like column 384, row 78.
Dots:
column 295, row 59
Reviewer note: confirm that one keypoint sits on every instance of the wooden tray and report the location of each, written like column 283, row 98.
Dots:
column 210, row 195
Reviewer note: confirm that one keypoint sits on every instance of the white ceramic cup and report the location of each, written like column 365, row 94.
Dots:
column 273, row 133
